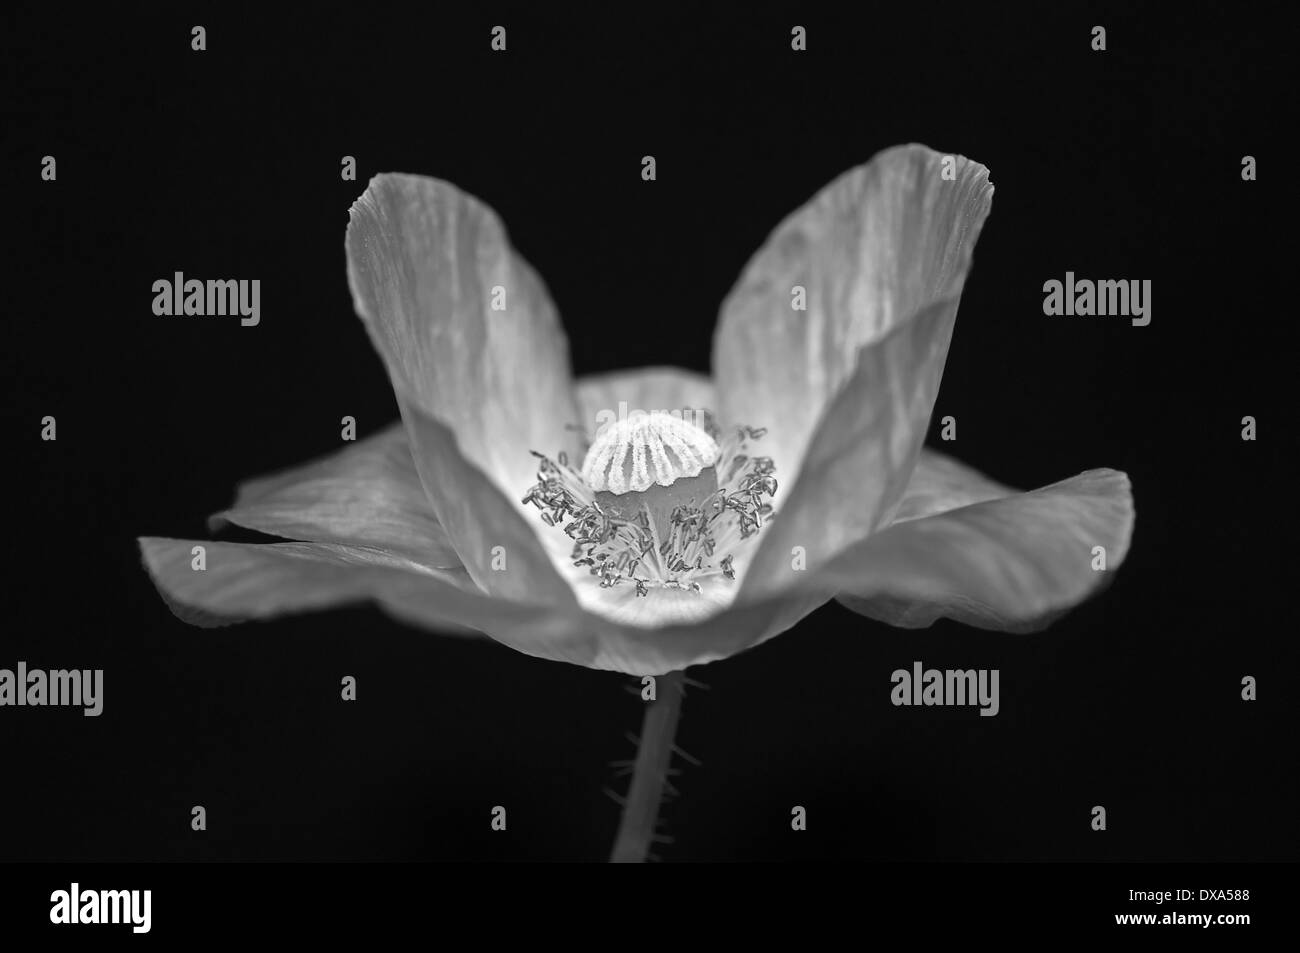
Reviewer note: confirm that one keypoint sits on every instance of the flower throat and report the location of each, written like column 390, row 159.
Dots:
column 659, row 501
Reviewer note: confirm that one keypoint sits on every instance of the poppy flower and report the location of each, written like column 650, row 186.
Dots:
column 648, row 520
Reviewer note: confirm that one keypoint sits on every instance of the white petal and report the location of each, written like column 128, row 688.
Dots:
column 1013, row 563
column 366, row 495
column 877, row 249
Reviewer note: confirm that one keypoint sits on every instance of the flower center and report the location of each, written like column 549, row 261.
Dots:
column 660, row 501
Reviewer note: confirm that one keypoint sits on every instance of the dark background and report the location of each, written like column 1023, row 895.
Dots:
column 1122, row 164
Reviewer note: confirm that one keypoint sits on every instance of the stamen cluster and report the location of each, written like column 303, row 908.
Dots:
column 698, row 542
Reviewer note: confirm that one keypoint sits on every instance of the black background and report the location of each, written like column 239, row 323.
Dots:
column 225, row 163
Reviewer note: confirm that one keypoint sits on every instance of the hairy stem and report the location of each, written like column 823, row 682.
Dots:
column 641, row 811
